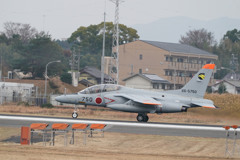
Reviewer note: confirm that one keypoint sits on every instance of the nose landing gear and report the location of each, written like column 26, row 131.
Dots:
column 142, row 117
column 74, row 114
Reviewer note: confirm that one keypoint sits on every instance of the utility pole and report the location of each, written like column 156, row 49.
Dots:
column 1, row 68
column 114, row 70
column 103, row 49
column 75, row 62
column 234, row 63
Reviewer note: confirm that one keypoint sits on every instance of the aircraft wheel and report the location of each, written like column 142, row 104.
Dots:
column 142, row 118
column 146, row 118
column 74, row 115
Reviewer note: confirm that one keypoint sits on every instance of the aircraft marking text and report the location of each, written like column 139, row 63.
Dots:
column 87, row 99
column 189, row 91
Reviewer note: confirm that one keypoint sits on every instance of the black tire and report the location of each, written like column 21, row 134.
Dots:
column 146, row 118
column 140, row 118
column 74, row 115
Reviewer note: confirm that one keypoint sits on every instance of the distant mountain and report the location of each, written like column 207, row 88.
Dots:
column 171, row 29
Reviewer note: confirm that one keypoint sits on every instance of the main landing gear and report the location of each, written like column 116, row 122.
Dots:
column 142, row 117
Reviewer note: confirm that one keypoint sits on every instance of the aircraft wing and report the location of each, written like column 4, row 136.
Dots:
column 140, row 99
column 202, row 104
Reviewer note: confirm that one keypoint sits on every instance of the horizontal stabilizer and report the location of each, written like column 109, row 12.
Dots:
column 204, row 105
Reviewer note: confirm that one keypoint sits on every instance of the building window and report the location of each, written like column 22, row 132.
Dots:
column 140, row 71
column 171, row 59
column 209, row 61
column 140, row 56
column 167, row 58
column 238, row 91
column 180, row 74
column 179, row 59
column 166, row 73
column 190, row 75
column 155, row 85
column 163, row 86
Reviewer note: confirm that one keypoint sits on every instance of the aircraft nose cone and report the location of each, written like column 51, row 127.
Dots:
column 59, row 98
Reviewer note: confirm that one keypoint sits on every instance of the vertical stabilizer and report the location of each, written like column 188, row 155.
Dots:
column 197, row 86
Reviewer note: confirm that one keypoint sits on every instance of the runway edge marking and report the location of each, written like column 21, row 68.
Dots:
column 133, row 124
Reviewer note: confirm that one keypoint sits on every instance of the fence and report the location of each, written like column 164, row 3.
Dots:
column 5, row 97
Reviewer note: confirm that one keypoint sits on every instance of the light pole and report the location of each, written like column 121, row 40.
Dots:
column 45, row 91
column 230, row 70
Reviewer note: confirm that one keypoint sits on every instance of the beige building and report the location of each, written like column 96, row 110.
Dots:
column 147, row 81
column 174, row 62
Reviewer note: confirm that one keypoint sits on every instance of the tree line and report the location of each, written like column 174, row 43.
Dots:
column 23, row 47
column 228, row 49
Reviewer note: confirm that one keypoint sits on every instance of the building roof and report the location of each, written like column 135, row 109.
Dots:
column 86, row 82
column 235, row 83
column 232, row 76
column 178, row 48
column 153, row 78
column 93, row 72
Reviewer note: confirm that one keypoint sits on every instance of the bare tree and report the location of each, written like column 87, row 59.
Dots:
column 198, row 38
column 25, row 31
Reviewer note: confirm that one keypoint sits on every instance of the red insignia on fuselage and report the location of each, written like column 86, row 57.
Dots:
column 98, row 100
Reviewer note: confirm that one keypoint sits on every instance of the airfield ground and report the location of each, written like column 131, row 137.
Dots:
column 114, row 146
column 125, row 146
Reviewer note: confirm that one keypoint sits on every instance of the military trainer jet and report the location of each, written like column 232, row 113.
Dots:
column 144, row 102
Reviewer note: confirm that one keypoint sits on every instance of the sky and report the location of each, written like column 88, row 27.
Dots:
column 60, row 18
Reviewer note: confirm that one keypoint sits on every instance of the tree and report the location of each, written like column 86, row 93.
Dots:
column 222, row 89
column 200, row 38
column 5, row 56
column 91, row 37
column 25, row 31
column 233, row 35
column 3, row 39
column 33, row 56
column 66, row 77
column 42, row 50
column 90, row 40
column 228, row 47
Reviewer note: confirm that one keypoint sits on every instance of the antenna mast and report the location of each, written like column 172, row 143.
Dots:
column 114, row 70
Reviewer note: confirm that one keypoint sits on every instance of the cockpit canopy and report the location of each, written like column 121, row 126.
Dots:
column 100, row 88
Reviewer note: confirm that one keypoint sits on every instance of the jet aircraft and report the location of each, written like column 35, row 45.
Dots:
column 143, row 102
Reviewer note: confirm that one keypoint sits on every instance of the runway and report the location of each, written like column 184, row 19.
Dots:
column 167, row 129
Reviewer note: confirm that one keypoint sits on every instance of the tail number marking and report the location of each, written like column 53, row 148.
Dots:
column 189, row 91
